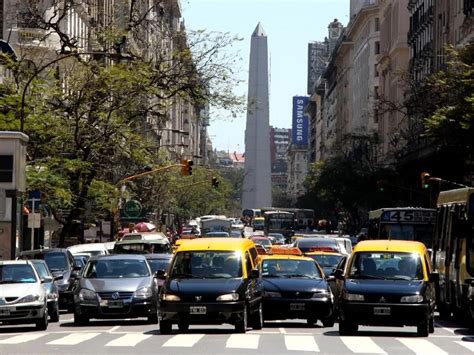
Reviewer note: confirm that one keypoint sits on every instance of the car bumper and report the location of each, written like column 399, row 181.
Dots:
column 215, row 312
column 284, row 308
column 21, row 314
column 130, row 309
column 389, row 314
column 66, row 298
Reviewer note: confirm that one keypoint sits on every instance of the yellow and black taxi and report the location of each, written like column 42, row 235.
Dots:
column 212, row 281
column 295, row 288
column 387, row 283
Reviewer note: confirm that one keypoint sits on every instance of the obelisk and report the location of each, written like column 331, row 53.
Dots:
column 257, row 190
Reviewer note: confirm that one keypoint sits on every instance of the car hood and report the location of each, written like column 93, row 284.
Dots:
column 20, row 289
column 112, row 285
column 396, row 287
column 294, row 284
column 203, row 286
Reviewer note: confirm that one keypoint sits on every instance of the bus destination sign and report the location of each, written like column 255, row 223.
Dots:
column 408, row 216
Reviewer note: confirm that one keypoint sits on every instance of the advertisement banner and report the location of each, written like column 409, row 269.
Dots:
column 299, row 132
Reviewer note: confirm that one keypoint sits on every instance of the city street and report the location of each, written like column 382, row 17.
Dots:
column 134, row 336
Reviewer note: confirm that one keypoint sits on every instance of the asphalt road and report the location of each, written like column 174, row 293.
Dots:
column 136, row 337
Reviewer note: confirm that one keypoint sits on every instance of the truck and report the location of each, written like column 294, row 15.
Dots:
column 215, row 225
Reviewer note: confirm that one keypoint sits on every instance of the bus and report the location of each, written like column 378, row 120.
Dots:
column 453, row 251
column 252, row 213
column 304, row 218
column 279, row 222
column 404, row 223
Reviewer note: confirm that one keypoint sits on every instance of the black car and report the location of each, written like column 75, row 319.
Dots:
column 159, row 262
column 52, row 293
column 61, row 263
column 310, row 244
column 295, row 288
column 116, row 286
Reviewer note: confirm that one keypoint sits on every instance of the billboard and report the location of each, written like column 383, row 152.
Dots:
column 299, row 131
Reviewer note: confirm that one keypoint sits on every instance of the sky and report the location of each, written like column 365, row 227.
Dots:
column 290, row 25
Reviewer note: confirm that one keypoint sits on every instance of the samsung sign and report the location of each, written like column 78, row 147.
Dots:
column 299, row 131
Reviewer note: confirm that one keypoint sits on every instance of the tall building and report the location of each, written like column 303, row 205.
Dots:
column 279, row 143
column 257, row 181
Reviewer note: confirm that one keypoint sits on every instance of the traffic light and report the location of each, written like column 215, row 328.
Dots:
column 425, row 180
column 186, row 167
column 215, row 182
column 381, row 185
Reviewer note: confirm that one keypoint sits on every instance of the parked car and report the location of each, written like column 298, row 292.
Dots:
column 23, row 298
column 61, row 263
column 116, row 286
column 52, row 293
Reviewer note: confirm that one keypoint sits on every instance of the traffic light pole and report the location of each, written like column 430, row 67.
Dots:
column 194, row 184
column 162, row 168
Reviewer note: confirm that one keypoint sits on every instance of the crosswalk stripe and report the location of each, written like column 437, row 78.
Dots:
column 73, row 339
column 362, row 345
column 301, row 343
column 183, row 340
column 128, row 340
column 421, row 346
column 243, row 341
column 467, row 344
column 22, row 338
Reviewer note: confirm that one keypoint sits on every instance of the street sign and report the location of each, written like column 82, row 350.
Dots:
column 132, row 208
column 34, row 220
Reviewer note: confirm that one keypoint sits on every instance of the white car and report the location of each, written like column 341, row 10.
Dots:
column 23, row 297
column 144, row 236
column 91, row 249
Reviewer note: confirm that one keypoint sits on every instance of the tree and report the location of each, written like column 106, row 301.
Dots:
column 87, row 112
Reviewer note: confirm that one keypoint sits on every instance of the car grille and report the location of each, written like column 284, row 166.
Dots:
column 122, row 295
column 120, row 310
column 382, row 298
column 295, row 294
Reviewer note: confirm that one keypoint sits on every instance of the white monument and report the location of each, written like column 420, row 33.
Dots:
column 257, row 190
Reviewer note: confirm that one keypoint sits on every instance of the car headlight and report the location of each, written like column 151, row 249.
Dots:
column 270, row 294
column 30, row 298
column 144, row 292
column 169, row 297
column 228, row 297
column 412, row 299
column 52, row 296
column 87, row 295
column 321, row 294
column 353, row 297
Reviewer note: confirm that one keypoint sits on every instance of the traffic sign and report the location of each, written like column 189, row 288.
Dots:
column 34, row 220
column 132, row 208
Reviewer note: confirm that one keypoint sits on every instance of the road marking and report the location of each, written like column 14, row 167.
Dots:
column 421, row 346
column 301, row 343
column 282, row 330
column 362, row 345
column 66, row 320
column 22, row 338
column 113, row 329
column 128, row 340
column 73, row 339
column 243, row 341
column 183, row 340
column 467, row 344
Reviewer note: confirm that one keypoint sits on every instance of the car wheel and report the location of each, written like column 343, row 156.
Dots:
column 328, row 322
column 165, row 326
column 80, row 319
column 42, row 324
column 183, row 326
column 54, row 317
column 241, row 324
column 257, row 321
column 423, row 329
column 347, row 328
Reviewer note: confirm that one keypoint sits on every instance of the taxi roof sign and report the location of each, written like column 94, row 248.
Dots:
column 276, row 250
column 323, row 249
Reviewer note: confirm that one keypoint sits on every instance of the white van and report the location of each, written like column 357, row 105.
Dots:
column 90, row 249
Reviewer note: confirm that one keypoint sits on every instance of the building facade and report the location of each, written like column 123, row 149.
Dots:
column 279, row 143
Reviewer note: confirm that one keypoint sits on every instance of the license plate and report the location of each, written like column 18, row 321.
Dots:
column 382, row 311
column 197, row 310
column 4, row 312
column 115, row 304
column 297, row 306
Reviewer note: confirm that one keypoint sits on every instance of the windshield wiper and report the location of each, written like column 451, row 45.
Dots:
column 404, row 278
column 301, row 275
column 367, row 277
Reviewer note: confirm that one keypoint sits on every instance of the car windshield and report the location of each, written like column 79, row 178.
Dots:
column 386, row 265
column 159, row 264
column 116, row 268
column 56, row 261
column 327, row 260
column 17, row 273
column 290, row 268
column 207, row 264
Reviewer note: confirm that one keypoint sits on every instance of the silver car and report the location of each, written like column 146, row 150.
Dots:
column 23, row 298
column 116, row 286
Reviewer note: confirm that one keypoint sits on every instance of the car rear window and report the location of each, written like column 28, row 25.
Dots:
column 116, row 268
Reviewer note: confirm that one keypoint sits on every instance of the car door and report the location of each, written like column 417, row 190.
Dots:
column 253, row 284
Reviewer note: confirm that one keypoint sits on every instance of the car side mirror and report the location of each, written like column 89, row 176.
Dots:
column 46, row 279
column 76, row 268
column 330, row 278
column 160, row 274
column 434, row 276
column 254, row 274
column 339, row 274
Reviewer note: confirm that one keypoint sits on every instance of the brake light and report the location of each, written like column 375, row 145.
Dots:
column 324, row 249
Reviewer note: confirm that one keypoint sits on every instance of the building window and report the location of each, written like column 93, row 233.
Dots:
column 6, row 168
column 377, row 24
column 377, row 47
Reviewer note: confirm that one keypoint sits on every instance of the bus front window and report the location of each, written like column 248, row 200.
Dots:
column 397, row 231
